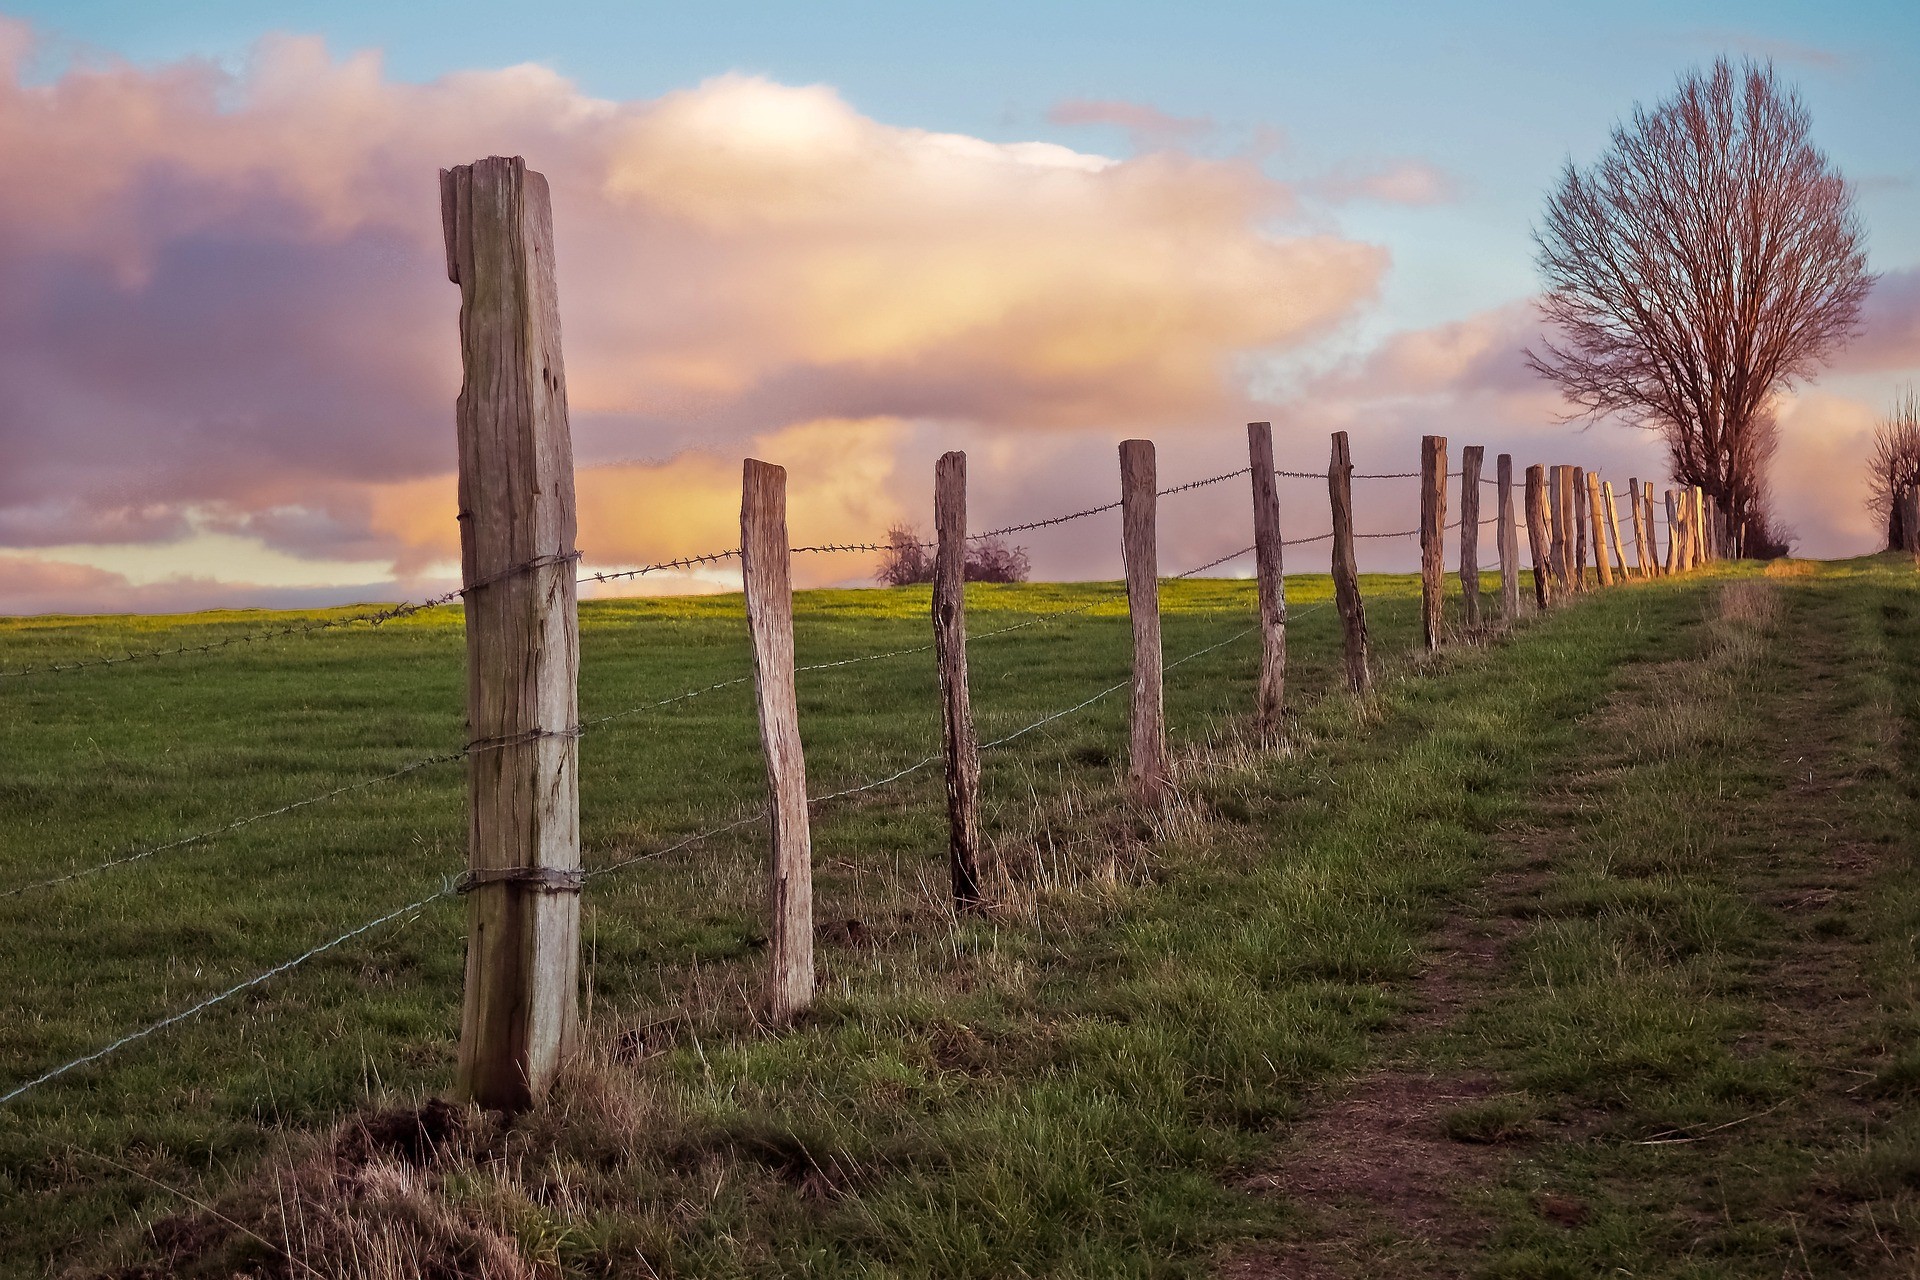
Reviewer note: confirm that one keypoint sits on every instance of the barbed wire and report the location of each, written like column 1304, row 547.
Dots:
column 374, row 619
column 446, row 890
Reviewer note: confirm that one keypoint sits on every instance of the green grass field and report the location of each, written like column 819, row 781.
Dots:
column 1098, row 1080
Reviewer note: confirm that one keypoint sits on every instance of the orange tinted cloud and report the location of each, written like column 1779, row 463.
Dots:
column 222, row 301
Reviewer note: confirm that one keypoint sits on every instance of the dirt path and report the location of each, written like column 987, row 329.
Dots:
column 1651, row 1043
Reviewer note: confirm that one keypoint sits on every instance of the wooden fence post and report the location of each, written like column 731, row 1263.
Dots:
column 1270, row 576
column 1597, row 521
column 1566, row 517
column 1683, row 530
column 1539, row 539
column 1433, row 535
column 1147, row 757
column 1620, row 570
column 1673, row 563
column 1556, row 539
column 1642, row 565
column 766, row 572
column 1580, row 520
column 523, row 642
column 1697, row 524
column 1654, row 532
column 1346, row 574
column 950, row 655
column 1910, row 519
column 1470, row 462
column 1509, row 539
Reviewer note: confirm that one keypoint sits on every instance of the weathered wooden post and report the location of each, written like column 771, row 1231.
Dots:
column 1674, row 563
column 1683, row 530
column 1642, row 563
column 1910, row 519
column 523, row 642
column 1579, row 482
column 950, row 654
column 1433, row 547
column 1539, row 539
column 1569, row 519
column 1270, row 577
column 1509, row 539
column 1596, row 520
column 1470, row 462
column 1147, row 756
column 1654, row 567
column 766, row 572
column 1613, row 530
column 1697, row 524
column 1346, row 573
column 1556, row 531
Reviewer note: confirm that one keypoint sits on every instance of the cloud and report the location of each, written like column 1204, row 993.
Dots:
column 223, row 306
column 1147, row 127
column 1889, row 336
column 1409, row 182
column 1769, row 48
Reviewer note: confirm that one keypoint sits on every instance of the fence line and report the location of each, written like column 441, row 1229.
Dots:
column 523, row 670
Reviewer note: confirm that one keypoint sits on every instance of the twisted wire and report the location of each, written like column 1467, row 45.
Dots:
column 232, row 991
column 373, row 619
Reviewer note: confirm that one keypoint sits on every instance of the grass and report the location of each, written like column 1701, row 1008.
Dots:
column 1075, row 1086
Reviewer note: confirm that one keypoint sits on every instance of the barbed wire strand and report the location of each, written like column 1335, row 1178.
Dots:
column 234, row 990
column 374, row 619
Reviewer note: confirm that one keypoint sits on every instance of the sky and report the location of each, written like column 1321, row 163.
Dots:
column 844, row 238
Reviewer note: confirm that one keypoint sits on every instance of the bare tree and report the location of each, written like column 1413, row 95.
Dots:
column 1893, row 468
column 1706, row 262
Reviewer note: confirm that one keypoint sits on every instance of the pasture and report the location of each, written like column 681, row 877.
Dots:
column 1112, row 1074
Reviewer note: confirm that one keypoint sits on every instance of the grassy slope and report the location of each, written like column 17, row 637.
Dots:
column 1066, row 1090
column 98, row 762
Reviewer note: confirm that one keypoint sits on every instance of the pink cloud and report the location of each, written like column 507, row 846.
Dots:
column 1889, row 336
column 222, row 304
column 1147, row 127
column 1409, row 182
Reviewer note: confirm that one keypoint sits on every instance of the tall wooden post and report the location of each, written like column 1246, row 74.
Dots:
column 766, row 573
column 1654, row 567
column 1539, row 537
column 1270, row 575
column 1613, row 530
column 1565, row 521
column 1433, row 536
column 1470, row 462
column 1579, row 528
column 1596, row 520
column 1346, row 573
column 1673, row 563
column 1697, row 524
column 950, row 654
column 1509, row 539
column 523, row 641
column 1683, row 531
column 1642, row 563
column 1147, row 758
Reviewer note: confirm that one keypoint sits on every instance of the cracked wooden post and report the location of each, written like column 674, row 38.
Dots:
column 1470, row 462
column 1539, row 538
column 950, row 655
column 766, row 575
column 1613, row 530
column 1346, row 574
column 1672, row 564
column 1702, row 549
column 1596, row 521
column 517, row 561
column 1560, row 507
column 1433, row 538
column 1642, row 563
column 1579, row 518
column 1509, row 539
column 1270, row 577
column 1147, row 753
column 1654, row 566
